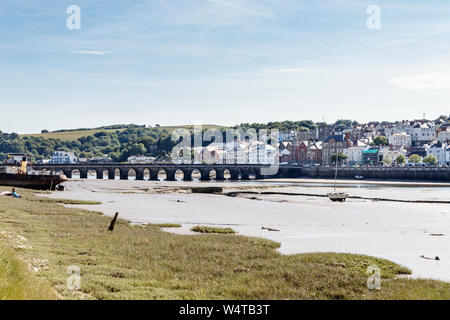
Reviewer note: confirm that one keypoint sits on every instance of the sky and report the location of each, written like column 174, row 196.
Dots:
column 223, row 62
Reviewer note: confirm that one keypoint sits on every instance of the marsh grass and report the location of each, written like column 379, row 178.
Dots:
column 164, row 225
column 147, row 263
column 205, row 229
column 66, row 201
column 17, row 283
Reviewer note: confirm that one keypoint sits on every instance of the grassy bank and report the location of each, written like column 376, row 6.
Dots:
column 143, row 262
column 17, row 282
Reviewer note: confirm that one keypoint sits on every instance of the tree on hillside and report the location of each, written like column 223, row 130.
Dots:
column 414, row 158
column 430, row 159
column 381, row 141
column 44, row 131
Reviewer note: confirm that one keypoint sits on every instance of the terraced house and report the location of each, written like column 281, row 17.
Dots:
column 334, row 144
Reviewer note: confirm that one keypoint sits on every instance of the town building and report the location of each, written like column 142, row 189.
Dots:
column 400, row 140
column 444, row 135
column 440, row 151
column 334, row 144
column 63, row 157
column 138, row 159
column 314, row 153
column 371, row 156
column 354, row 153
column 422, row 133
column 391, row 153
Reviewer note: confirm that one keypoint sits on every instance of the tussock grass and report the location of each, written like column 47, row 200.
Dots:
column 148, row 263
column 204, row 229
column 17, row 283
column 66, row 201
column 164, row 225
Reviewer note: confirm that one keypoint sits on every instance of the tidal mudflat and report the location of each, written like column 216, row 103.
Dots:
column 401, row 232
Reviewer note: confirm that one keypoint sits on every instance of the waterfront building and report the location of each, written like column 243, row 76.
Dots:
column 334, row 144
column 63, row 157
column 354, row 153
column 371, row 156
column 440, row 151
column 140, row 159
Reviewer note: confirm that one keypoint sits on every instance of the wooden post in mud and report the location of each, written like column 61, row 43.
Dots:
column 113, row 222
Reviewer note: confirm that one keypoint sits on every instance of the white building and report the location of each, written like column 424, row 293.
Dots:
column 441, row 151
column 354, row 153
column 444, row 135
column 261, row 153
column 140, row 159
column 423, row 132
column 399, row 127
column 400, row 140
column 392, row 153
column 62, row 157
column 237, row 152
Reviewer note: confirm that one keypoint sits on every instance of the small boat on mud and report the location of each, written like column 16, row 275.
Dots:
column 337, row 196
column 15, row 173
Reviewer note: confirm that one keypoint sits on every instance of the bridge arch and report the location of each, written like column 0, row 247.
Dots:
column 213, row 174
column 116, row 174
column 91, row 173
column 226, row 174
column 75, row 173
column 162, row 174
column 196, row 174
column 252, row 174
column 146, row 174
column 179, row 175
column 131, row 174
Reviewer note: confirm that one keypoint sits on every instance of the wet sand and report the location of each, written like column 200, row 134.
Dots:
column 400, row 232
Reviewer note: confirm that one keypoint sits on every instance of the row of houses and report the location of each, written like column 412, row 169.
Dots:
column 318, row 146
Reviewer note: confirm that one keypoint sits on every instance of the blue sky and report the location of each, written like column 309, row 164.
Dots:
column 220, row 61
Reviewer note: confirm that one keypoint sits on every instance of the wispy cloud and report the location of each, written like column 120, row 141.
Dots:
column 98, row 53
column 425, row 81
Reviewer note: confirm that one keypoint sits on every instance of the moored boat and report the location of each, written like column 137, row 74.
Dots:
column 337, row 196
column 15, row 173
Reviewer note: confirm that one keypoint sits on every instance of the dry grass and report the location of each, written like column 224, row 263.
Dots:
column 136, row 262
column 17, row 283
column 67, row 201
column 164, row 225
column 205, row 229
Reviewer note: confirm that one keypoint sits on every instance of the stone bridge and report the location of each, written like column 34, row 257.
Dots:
column 220, row 172
column 152, row 171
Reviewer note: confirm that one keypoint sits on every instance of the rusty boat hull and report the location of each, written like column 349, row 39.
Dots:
column 38, row 182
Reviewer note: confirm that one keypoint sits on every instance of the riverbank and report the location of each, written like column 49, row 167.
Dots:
column 143, row 262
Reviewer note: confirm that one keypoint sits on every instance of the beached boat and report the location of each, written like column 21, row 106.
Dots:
column 15, row 173
column 337, row 196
